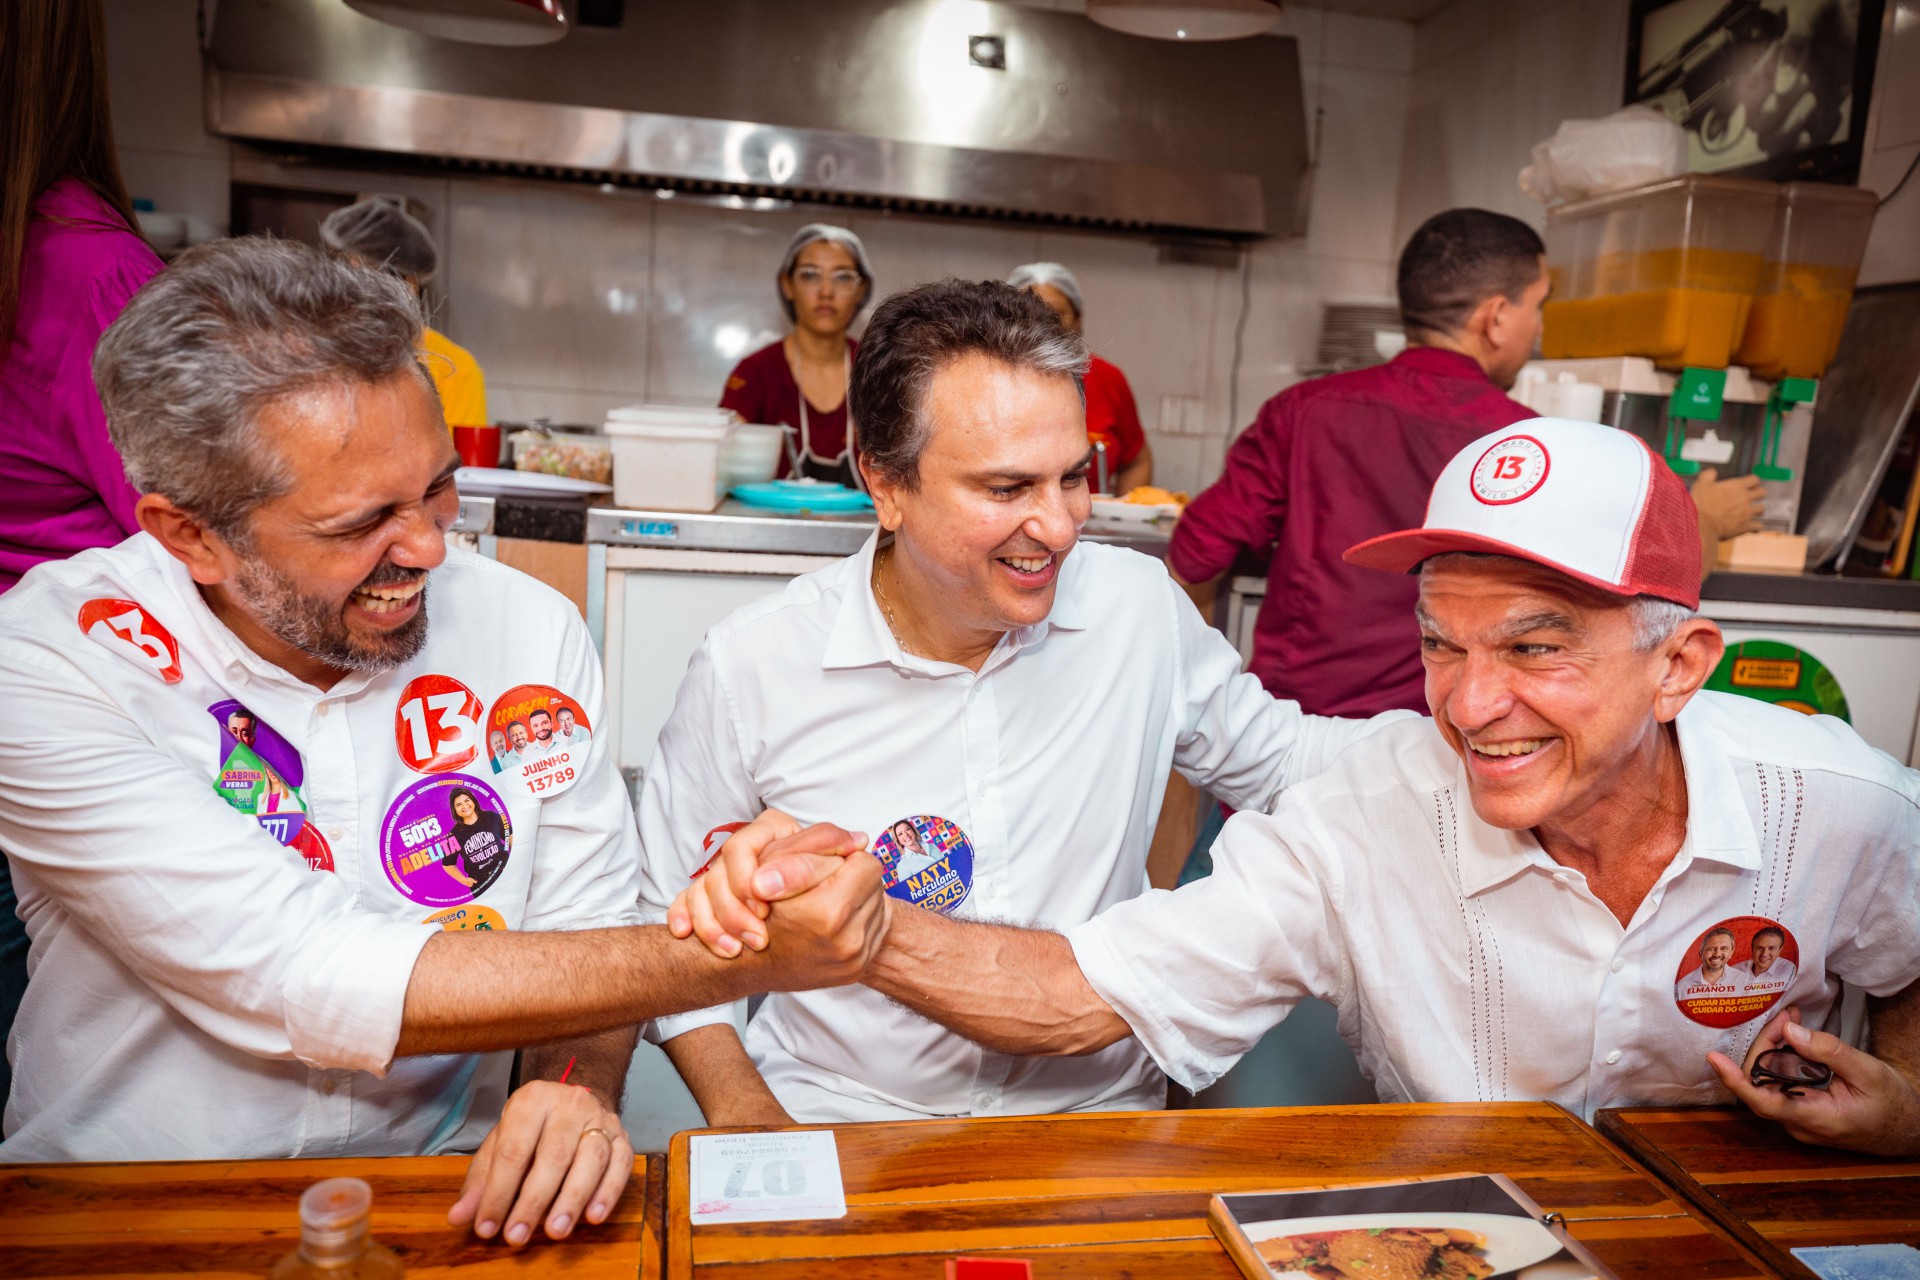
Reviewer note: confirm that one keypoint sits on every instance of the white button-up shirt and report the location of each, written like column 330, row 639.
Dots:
column 1052, row 761
column 196, row 990
column 1467, row 965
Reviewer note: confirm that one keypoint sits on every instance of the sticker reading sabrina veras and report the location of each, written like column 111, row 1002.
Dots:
column 539, row 736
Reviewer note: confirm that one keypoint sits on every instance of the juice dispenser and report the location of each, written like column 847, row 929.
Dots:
column 1806, row 284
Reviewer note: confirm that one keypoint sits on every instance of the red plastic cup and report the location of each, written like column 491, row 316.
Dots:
column 477, row 446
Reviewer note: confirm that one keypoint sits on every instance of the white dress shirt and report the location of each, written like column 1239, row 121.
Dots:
column 1467, row 965
column 196, row 991
column 1052, row 760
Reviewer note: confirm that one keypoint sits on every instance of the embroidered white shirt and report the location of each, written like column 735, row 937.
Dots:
column 1052, row 761
column 197, row 991
column 1466, row 965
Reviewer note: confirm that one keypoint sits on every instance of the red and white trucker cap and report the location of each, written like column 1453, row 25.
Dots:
column 1590, row 501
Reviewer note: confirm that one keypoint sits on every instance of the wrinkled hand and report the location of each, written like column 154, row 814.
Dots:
column 541, row 1160
column 1731, row 507
column 771, row 858
column 1869, row 1106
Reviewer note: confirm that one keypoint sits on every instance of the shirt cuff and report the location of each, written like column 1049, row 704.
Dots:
column 664, row 1029
column 1120, row 983
column 345, row 1000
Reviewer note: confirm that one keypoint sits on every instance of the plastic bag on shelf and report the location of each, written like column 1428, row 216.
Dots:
column 1629, row 148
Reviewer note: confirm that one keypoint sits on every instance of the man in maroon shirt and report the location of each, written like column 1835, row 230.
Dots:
column 1340, row 459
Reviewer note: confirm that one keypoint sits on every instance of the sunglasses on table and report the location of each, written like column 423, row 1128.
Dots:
column 1789, row 1072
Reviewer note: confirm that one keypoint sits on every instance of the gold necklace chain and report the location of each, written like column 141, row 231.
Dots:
column 884, row 555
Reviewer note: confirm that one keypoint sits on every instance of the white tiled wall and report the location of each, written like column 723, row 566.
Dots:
column 577, row 299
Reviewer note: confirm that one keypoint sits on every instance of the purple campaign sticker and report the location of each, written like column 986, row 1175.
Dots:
column 928, row 861
column 445, row 840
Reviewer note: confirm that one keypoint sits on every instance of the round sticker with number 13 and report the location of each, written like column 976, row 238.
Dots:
column 436, row 724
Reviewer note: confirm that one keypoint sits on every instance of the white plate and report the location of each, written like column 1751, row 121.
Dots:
column 1512, row 1242
column 1115, row 509
column 493, row 481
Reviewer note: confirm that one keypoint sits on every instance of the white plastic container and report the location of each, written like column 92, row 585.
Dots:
column 752, row 453
column 667, row 457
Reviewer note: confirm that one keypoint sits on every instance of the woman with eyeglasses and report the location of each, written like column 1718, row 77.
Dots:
column 801, row 380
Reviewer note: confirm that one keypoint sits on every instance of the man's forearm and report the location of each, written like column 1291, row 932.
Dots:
column 479, row 992
column 1010, row 990
column 598, row 1062
column 722, row 1078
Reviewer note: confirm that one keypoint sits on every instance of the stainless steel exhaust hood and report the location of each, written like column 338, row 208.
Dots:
column 871, row 102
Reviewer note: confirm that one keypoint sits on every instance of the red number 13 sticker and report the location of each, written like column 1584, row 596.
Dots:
column 131, row 632
column 436, row 724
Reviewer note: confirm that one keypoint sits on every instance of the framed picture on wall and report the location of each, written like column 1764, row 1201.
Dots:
column 1764, row 88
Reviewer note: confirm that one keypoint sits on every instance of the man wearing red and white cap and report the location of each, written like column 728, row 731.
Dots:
column 1500, row 900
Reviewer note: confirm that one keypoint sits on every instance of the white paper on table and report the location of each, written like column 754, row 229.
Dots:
column 765, row 1177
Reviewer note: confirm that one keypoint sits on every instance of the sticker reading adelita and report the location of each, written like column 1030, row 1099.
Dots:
column 1736, row 971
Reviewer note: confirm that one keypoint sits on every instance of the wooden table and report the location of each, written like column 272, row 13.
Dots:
column 1126, row 1194
column 1771, row 1192
column 236, row 1218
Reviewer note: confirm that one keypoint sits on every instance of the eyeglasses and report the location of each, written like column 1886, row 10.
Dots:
column 1790, row 1072
column 813, row 278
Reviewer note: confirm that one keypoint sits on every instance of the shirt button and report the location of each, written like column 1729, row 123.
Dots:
column 1613, row 1057
column 1562, row 878
column 1618, row 965
column 321, row 709
column 328, row 1087
column 334, row 833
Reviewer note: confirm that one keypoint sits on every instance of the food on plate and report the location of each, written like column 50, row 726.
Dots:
column 1152, row 495
column 582, row 457
column 1380, row 1253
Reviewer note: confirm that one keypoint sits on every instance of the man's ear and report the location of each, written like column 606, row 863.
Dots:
column 1689, row 656
column 885, row 492
column 207, row 556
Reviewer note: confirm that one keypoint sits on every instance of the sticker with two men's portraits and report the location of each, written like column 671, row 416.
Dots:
column 928, row 862
column 539, row 737
column 1736, row 971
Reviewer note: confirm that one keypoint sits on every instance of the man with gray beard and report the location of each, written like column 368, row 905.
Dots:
column 213, row 979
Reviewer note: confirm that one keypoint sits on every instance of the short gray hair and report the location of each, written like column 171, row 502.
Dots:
column 919, row 331
column 1053, row 275
column 211, row 342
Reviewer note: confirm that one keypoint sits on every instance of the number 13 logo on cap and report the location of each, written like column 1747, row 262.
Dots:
column 1511, row 470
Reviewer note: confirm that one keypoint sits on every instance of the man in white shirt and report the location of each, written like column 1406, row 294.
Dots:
column 1768, row 971
column 207, row 982
column 998, row 700
column 571, row 732
column 1500, row 901
column 1714, row 977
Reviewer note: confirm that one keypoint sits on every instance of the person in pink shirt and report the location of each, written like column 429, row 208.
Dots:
column 69, row 261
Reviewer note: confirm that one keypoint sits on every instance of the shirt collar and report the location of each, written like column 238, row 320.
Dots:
column 1718, row 824
column 862, row 638
column 1438, row 360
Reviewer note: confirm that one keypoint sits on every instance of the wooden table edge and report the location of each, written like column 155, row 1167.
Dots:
column 1613, row 1129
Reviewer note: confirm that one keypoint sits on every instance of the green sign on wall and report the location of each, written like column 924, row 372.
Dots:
column 1780, row 674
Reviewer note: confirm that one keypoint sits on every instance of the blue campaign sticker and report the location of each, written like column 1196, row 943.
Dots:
column 929, row 862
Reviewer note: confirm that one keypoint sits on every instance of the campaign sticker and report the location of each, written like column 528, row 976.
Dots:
column 445, row 840
column 929, row 862
column 261, row 776
column 130, row 631
column 1510, row 470
column 472, row 917
column 436, row 724
column 712, row 843
column 539, row 736
column 1736, row 971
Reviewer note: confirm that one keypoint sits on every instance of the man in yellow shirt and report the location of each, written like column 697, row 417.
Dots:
column 378, row 232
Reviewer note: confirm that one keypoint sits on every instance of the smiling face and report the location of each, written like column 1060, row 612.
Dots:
column 906, row 837
column 1535, row 681
column 1716, row 950
column 1001, row 497
column 1766, row 949
column 517, row 731
column 825, row 288
column 497, row 743
column 332, row 576
column 541, row 722
column 464, row 809
column 566, row 721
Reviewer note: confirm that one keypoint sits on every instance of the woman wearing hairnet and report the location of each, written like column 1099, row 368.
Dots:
column 1112, row 418
column 801, row 380
column 379, row 233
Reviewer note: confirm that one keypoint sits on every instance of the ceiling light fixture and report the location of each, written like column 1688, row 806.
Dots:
column 1186, row 19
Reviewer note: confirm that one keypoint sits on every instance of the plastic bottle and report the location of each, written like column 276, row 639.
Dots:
column 334, row 1244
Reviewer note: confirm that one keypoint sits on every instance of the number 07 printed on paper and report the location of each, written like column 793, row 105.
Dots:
column 764, row 1177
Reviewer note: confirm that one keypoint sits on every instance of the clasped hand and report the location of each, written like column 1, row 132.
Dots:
column 831, row 915
column 1869, row 1106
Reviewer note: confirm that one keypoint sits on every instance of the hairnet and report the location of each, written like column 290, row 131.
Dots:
column 1054, row 274
column 815, row 232
column 383, row 234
